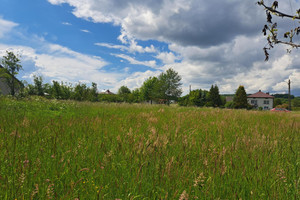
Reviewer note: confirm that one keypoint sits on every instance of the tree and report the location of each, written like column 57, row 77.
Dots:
column 277, row 102
column 214, row 96
column 240, row 98
column 272, row 30
column 168, row 86
column 123, row 90
column 38, row 85
column 81, row 92
column 198, row 97
column 135, row 96
column 12, row 67
column 147, row 91
column 296, row 102
column 93, row 95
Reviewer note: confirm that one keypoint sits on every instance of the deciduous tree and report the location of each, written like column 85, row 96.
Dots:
column 271, row 28
column 147, row 91
column 169, row 85
column 11, row 64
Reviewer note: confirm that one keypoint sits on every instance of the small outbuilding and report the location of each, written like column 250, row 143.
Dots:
column 4, row 87
column 260, row 99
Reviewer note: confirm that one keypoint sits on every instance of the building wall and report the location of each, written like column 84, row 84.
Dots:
column 4, row 89
column 265, row 103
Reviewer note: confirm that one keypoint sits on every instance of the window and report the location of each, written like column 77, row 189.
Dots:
column 254, row 102
column 266, row 101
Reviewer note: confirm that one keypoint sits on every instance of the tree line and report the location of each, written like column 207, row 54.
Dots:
column 163, row 89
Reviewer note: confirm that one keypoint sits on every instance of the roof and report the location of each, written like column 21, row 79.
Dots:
column 260, row 94
column 106, row 92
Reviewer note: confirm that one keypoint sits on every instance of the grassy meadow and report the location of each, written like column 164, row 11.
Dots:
column 68, row 150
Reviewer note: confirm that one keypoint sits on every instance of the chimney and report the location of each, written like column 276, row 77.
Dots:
column 268, row 93
column 259, row 90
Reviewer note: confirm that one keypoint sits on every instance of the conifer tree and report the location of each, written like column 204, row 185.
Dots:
column 240, row 98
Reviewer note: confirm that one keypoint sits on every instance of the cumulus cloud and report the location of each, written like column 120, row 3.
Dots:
column 185, row 22
column 167, row 57
column 132, row 47
column 6, row 26
column 209, row 41
column 62, row 64
column 135, row 80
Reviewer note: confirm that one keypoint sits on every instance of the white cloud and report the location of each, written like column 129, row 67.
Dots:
column 6, row 26
column 167, row 57
column 112, row 46
column 66, row 23
column 85, row 31
column 135, row 80
column 151, row 63
column 62, row 64
column 216, row 42
column 132, row 47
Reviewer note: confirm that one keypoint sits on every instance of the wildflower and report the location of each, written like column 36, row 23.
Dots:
column 184, row 196
column 22, row 178
column 35, row 191
column 50, row 191
column 199, row 180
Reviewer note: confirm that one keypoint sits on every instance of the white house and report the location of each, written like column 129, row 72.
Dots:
column 260, row 99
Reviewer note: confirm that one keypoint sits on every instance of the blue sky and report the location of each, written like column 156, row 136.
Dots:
column 115, row 43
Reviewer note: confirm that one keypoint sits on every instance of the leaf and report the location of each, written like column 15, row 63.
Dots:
column 275, row 5
column 297, row 30
column 269, row 17
column 266, row 54
column 286, row 34
column 265, row 30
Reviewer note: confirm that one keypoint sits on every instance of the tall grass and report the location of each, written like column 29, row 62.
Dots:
column 69, row 150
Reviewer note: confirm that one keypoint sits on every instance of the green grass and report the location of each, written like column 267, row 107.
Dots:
column 67, row 150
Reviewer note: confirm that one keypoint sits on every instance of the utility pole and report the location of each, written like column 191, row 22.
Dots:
column 190, row 88
column 290, row 105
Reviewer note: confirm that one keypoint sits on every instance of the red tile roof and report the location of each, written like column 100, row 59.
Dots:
column 260, row 94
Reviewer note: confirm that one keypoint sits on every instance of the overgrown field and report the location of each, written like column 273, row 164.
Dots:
column 69, row 150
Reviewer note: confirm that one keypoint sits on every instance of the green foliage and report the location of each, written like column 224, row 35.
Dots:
column 197, row 98
column 12, row 67
column 93, row 94
column 283, row 96
column 38, row 85
column 296, row 102
column 148, row 89
column 135, row 96
column 229, row 104
column 80, row 92
column 66, row 150
column 214, row 96
column 277, row 102
column 109, row 98
column 184, row 101
column 240, row 98
column 168, row 85
column 124, row 90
